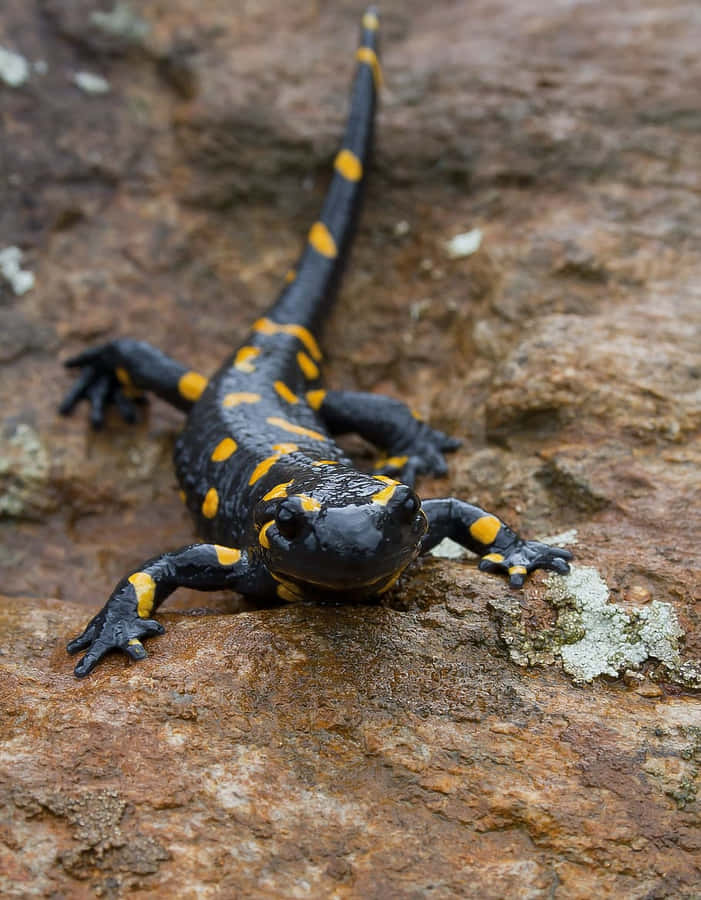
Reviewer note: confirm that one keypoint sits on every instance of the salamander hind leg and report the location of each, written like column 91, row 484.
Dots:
column 410, row 446
column 423, row 455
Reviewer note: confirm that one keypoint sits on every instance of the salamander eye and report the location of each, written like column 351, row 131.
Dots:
column 289, row 519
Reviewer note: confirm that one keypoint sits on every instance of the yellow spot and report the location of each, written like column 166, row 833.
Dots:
column 396, row 462
column 315, row 398
column 392, row 581
column 285, row 592
column 285, row 392
column 280, row 490
column 518, row 570
column 123, row 377
column 145, row 589
column 227, row 556
column 309, row 504
column 295, row 429
column 370, row 21
column 309, row 368
column 325, row 462
column 210, row 504
column 290, row 275
column 288, row 590
column 129, row 389
column 191, row 385
column 366, row 55
column 348, row 165
column 182, row 496
column 240, row 397
column 494, row 557
column 267, row 326
column 485, row 529
column 242, row 360
column 385, row 495
column 417, row 415
column 224, row 449
column 134, row 642
column 386, row 479
column 281, row 449
column 263, row 466
column 266, row 464
column 322, row 240
column 263, row 537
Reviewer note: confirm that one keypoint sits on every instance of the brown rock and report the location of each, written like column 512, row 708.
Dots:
column 382, row 751
column 305, row 748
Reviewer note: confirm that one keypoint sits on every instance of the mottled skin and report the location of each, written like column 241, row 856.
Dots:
column 282, row 512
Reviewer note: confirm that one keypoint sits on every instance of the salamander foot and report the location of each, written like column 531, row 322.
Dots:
column 111, row 630
column 423, row 456
column 522, row 557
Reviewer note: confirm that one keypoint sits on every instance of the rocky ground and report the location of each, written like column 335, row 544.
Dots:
column 160, row 166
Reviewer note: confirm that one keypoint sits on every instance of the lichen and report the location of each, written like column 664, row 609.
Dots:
column 121, row 22
column 448, row 549
column 101, row 842
column 464, row 244
column 561, row 539
column 24, row 474
column 91, row 83
column 11, row 269
column 593, row 636
column 14, row 68
column 607, row 645
column 677, row 774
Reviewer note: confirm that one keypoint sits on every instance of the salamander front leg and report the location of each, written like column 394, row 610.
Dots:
column 411, row 447
column 500, row 548
column 120, row 371
column 125, row 618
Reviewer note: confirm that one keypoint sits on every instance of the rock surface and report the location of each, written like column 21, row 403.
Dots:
column 460, row 740
column 311, row 751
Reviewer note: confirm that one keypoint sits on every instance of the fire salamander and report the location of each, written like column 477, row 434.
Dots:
column 281, row 510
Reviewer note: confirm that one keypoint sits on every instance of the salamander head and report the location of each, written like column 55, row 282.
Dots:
column 349, row 533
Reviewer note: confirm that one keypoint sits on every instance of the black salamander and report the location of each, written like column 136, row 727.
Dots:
column 282, row 511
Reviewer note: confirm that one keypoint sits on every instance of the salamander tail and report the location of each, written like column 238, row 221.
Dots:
column 310, row 285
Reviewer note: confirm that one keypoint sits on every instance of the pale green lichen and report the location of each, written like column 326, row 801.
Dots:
column 14, row 68
column 21, row 280
column 464, row 244
column 121, row 22
column 677, row 773
column 593, row 636
column 24, row 474
column 91, row 83
column 562, row 539
column 607, row 644
column 449, row 549
column 660, row 631
column 688, row 674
